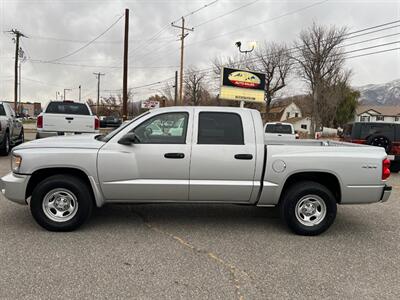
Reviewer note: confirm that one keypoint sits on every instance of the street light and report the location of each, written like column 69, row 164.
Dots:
column 239, row 45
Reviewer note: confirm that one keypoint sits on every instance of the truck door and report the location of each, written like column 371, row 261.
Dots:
column 223, row 156
column 155, row 167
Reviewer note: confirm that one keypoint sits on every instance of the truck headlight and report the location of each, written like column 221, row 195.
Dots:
column 16, row 161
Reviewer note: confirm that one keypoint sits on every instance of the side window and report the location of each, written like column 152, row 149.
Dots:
column 2, row 111
column 167, row 128
column 220, row 128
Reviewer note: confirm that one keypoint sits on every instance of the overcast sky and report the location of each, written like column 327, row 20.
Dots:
column 57, row 28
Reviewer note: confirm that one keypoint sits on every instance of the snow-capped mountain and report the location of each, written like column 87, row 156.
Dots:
column 380, row 94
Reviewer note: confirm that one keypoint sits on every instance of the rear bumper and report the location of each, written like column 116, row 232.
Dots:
column 363, row 194
column 44, row 134
column 387, row 190
column 13, row 187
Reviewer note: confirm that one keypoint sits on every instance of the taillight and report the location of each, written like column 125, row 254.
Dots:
column 385, row 169
column 39, row 122
column 96, row 123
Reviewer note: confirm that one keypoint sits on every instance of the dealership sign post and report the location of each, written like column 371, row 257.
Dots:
column 242, row 85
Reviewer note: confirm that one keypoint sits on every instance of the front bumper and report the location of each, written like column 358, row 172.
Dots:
column 13, row 187
column 387, row 190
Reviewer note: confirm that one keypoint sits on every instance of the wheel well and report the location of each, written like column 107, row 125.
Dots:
column 328, row 180
column 39, row 175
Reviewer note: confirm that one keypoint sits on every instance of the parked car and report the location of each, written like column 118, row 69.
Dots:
column 66, row 118
column 110, row 121
column 11, row 129
column 380, row 134
column 219, row 157
column 279, row 131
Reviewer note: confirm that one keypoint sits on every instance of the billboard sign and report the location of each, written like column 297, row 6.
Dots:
column 149, row 104
column 242, row 85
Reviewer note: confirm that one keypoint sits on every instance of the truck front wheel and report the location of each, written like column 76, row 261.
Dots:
column 61, row 203
column 308, row 208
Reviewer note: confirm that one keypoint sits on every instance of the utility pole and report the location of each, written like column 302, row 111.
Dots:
column 176, row 88
column 17, row 34
column 80, row 90
column 182, row 37
column 125, row 72
column 98, row 90
column 64, row 93
column 19, row 93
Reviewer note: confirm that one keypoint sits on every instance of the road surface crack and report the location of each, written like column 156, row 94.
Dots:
column 233, row 271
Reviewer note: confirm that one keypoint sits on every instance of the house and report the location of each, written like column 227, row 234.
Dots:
column 290, row 113
column 369, row 113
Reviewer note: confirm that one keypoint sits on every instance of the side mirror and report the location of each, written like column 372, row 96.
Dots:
column 128, row 139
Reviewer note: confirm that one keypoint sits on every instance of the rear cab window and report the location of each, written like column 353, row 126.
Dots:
column 220, row 128
column 279, row 128
column 68, row 108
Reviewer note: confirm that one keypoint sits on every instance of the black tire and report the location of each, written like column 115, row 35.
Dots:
column 73, row 185
column 5, row 145
column 21, row 137
column 302, row 192
column 380, row 141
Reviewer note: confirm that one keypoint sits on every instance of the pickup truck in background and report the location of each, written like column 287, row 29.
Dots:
column 279, row 131
column 66, row 118
column 11, row 129
column 194, row 155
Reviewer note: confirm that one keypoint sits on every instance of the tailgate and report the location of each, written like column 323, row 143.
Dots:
column 68, row 123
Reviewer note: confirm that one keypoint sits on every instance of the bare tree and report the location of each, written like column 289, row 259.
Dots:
column 236, row 61
column 274, row 60
column 168, row 91
column 194, row 88
column 321, row 64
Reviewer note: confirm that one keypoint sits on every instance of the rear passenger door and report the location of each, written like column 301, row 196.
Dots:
column 223, row 156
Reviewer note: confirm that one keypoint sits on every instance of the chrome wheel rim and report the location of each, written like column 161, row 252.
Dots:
column 60, row 205
column 310, row 210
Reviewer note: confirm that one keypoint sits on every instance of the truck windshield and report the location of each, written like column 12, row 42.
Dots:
column 68, row 108
column 278, row 128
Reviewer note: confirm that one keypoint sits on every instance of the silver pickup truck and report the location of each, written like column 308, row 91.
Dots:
column 194, row 155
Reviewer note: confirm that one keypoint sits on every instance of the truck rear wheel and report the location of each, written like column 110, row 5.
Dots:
column 308, row 208
column 61, row 203
column 5, row 146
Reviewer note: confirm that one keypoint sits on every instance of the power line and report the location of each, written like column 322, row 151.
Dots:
column 243, row 28
column 225, row 14
column 86, row 41
column 90, row 42
column 196, row 10
column 371, row 53
column 263, row 22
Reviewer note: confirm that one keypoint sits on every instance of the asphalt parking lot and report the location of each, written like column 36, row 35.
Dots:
column 201, row 252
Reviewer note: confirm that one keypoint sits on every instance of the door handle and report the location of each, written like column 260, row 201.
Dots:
column 244, row 156
column 174, row 155
column 69, row 118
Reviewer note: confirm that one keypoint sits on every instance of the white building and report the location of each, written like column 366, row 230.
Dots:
column 290, row 113
column 387, row 114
